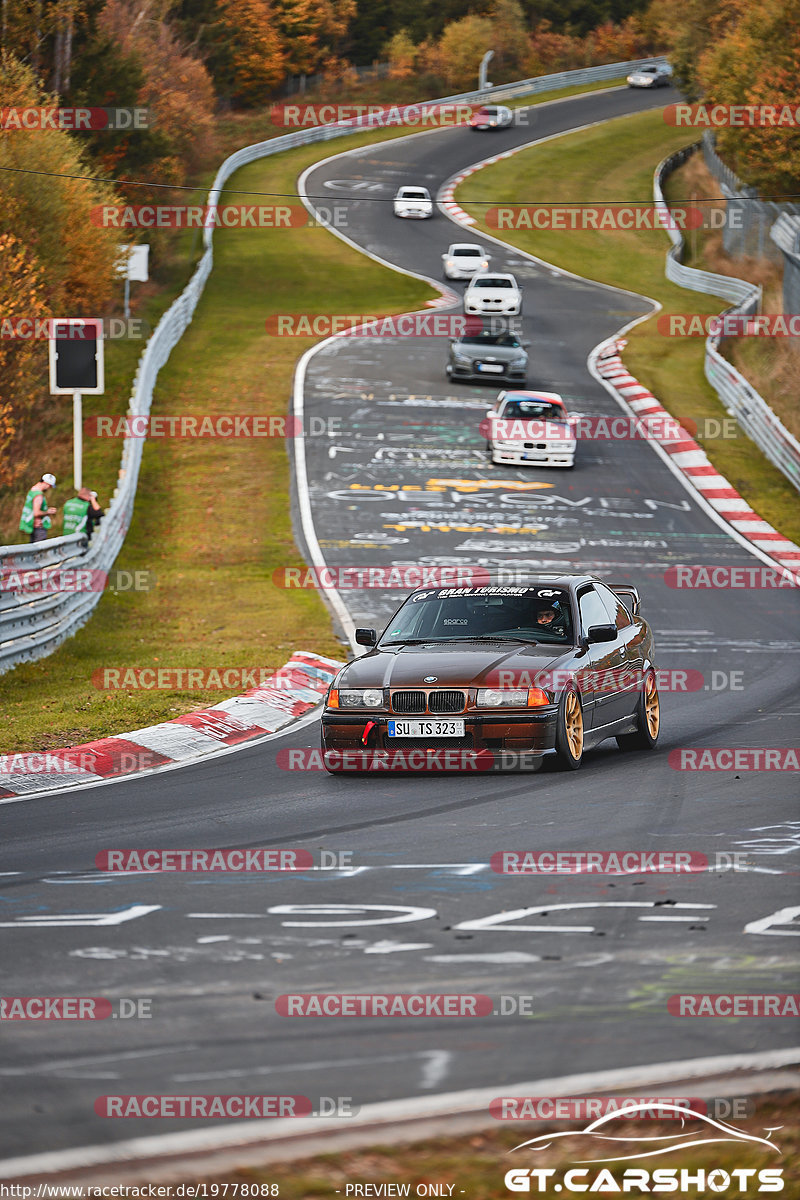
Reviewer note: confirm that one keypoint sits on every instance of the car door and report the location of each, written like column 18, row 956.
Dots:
column 629, row 673
column 605, row 659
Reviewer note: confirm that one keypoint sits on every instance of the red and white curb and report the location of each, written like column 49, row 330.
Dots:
column 446, row 195
column 285, row 696
column 693, row 463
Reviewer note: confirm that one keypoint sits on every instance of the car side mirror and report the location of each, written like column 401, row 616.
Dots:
column 525, row 345
column 367, row 637
column 601, row 633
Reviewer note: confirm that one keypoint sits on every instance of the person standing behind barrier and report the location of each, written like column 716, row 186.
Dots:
column 82, row 512
column 36, row 514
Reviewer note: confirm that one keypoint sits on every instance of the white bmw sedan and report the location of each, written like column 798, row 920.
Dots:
column 493, row 294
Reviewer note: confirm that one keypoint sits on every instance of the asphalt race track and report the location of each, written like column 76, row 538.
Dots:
column 415, row 906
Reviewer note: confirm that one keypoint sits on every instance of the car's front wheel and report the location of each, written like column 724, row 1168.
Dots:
column 648, row 719
column 569, row 731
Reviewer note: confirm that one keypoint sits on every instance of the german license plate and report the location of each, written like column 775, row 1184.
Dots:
column 491, row 368
column 422, row 729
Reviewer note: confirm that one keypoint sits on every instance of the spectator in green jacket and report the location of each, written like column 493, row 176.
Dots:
column 82, row 512
column 36, row 514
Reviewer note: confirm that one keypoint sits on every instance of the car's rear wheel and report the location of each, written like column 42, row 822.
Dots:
column 648, row 719
column 569, row 731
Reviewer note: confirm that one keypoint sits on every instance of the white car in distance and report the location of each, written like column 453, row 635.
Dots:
column 491, row 294
column 462, row 260
column 413, row 202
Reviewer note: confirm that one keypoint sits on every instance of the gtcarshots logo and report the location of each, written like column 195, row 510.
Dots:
column 696, row 1129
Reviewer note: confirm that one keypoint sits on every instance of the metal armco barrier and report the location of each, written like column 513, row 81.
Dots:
column 33, row 627
column 739, row 397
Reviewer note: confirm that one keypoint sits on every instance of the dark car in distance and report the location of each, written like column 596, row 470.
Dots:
column 552, row 667
column 488, row 355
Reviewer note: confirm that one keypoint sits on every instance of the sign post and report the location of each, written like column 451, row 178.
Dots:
column 76, row 368
column 133, row 264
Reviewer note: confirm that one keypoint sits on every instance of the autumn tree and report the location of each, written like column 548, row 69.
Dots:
column 755, row 62
column 47, row 200
column 22, row 361
column 246, row 57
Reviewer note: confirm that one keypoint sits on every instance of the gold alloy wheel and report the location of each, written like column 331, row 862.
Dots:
column 652, row 708
column 573, row 725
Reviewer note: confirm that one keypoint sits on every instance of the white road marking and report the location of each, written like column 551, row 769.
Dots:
column 387, row 947
column 67, row 920
column 495, row 920
column 406, row 913
column 507, row 957
column 765, row 925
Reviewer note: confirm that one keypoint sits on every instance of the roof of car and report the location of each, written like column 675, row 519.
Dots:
column 550, row 397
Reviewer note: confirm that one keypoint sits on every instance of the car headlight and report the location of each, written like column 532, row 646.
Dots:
column 461, row 359
column 511, row 698
column 361, row 698
column 518, row 362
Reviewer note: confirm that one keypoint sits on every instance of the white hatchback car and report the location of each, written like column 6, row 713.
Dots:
column 462, row 260
column 653, row 76
column 530, row 429
column 490, row 294
column 413, row 202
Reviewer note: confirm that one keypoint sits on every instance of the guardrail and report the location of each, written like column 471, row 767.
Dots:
column 34, row 626
column 738, row 396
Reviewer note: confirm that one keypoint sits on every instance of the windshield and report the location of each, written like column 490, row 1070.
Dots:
column 488, row 112
column 465, row 252
column 523, row 410
column 492, row 282
column 413, row 194
column 496, row 613
column 489, row 339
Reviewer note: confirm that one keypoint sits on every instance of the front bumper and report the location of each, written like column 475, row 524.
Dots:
column 534, row 458
column 491, row 310
column 534, row 730
column 469, row 373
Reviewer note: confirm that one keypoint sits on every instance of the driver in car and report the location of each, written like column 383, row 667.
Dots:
column 551, row 617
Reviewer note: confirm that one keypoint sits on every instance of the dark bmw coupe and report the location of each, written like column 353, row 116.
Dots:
column 552, row 666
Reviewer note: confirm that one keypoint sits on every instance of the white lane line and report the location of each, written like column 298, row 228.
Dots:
column 291, row 1068
column 68, row 920
column 381, row 1120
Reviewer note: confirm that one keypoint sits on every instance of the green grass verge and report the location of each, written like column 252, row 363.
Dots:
column 615, row 163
